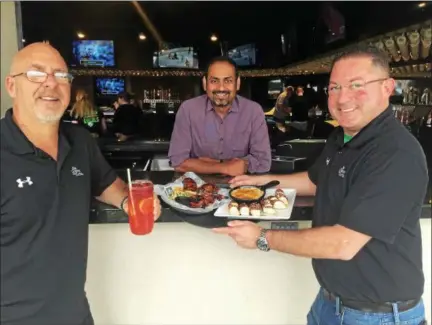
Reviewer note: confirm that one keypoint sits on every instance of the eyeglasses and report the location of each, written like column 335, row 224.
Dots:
column 353, row 87
column 41, row 76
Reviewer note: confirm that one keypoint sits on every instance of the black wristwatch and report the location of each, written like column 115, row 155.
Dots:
column 262, row 242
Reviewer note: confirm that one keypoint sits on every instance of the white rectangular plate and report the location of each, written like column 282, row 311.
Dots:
column 280, row 214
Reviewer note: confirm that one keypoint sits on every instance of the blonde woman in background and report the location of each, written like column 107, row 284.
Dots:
column 86, row 114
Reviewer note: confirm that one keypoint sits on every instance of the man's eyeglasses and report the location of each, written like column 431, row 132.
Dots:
column 354, row 86
column 41, row 76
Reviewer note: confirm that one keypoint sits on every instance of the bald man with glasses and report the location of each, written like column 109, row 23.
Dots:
column 49, row 173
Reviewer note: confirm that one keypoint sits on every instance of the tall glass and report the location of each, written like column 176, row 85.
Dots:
column 140, row 207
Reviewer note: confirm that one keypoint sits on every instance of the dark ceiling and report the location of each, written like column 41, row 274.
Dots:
column 186, row 22
column 191, row 23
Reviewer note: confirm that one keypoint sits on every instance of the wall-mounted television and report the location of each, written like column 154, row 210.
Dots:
column 88, row 53
column 244, row 55
column 109, row 86
column 275, row 87
column 180, row 57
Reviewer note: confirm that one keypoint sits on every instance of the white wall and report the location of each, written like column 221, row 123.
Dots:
column 182, row 274
column 9, row 46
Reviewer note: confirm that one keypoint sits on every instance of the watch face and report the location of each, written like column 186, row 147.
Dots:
column 262, row 244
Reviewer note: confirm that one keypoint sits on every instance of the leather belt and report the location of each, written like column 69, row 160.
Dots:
column 371, row 307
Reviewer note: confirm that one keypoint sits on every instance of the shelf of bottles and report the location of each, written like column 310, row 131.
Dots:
column 161, row 96
column 154, row 96
column 414, row 116
column 416, row 96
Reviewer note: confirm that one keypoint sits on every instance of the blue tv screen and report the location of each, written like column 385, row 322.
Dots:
column 181, row 57
column 244, row 55
column 110, row 86
column 88, row 53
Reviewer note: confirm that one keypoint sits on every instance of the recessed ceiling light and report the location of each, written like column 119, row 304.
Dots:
column 80, row 35
column 213, row 38
column 422, row 4
column 141, row 36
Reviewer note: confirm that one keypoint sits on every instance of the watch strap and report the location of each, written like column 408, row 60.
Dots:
column 262, row 242
column 123, row 202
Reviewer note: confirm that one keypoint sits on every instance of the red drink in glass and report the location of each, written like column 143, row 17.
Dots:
column 140, row 207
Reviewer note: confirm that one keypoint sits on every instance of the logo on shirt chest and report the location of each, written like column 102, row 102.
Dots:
column 76, row 172
column 342, row 172
column 27, row 182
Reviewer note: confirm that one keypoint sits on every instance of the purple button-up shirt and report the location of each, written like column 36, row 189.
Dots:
column 200, row 132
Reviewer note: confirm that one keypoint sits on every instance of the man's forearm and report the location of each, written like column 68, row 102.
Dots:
column 115, row 193
column 200, row 166
column 298, row 181
column 256, row 165
column 322, row 242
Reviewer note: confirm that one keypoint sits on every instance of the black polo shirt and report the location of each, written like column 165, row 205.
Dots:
column 375, row 184
column 45, row 209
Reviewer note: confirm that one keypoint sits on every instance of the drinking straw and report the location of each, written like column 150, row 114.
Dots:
column 130, row 190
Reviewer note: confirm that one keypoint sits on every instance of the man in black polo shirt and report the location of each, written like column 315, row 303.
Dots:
column 370, row 182
column 49, row 172
column 127, row 118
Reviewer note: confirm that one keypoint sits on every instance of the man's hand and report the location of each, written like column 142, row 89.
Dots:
column 245, row 233
column 248, row 180
column 281, row 127
column 156, row 207
column 235, row 167
column 121, row 137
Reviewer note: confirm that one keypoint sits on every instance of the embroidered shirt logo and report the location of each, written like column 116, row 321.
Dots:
column 327, row 161
column 76, row 172
column 27, row 181
column 342, row 172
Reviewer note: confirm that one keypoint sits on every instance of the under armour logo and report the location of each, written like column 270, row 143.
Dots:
column 327, row 161
column 21, row 182
column 342, row 172
column 76, row 172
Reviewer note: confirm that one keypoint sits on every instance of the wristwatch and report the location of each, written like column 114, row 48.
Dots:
column 122, row 204
column 262, row 242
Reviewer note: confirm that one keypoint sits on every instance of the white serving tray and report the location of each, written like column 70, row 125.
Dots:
column 279, row 215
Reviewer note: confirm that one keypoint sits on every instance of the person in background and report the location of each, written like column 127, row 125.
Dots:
column 369, row 185
column 127, row 118
column 116, row 105
column 49, row 173
column 133, row 100
column 86, row 114
column 282, row 108
column 311, row 94
column 220, row 132
column 300, row 106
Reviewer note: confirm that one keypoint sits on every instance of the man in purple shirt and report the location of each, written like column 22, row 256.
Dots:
column 220, row 132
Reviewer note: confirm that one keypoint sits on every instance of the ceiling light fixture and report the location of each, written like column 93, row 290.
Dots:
column 141, row 36
column 422, row 4
column 213, row 38
column 80, row 35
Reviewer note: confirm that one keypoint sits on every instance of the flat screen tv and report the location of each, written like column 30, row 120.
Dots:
column 275, row 87
column 110, row 86
column 244, row 55
column 88, row 53
column 180, row 57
